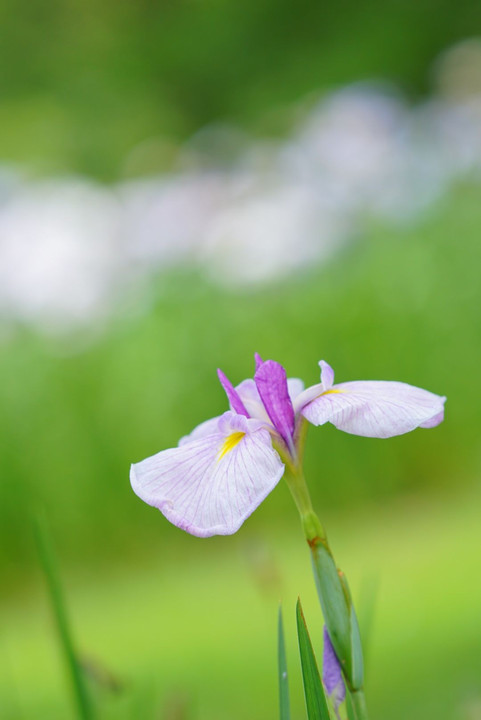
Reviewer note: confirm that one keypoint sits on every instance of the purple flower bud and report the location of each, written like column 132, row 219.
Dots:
column 331, row 673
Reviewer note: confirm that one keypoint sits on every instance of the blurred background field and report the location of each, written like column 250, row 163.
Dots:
column 182, row 184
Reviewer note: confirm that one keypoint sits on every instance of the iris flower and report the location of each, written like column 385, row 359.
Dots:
column 224, row 469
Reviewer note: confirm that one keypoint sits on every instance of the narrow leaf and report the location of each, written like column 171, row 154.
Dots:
column 284, row 709
column 49, row 567
column 316, row 703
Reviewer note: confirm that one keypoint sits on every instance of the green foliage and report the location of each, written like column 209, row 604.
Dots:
column 57, row 602
column 284, row 707
column 316, row 703
column 197, row 619
column 85, row 82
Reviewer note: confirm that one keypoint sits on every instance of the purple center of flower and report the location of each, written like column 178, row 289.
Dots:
column 271, row 383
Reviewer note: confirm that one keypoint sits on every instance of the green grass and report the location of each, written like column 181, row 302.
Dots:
column 202, row 627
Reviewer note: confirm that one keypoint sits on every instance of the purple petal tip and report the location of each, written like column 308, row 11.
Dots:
column 232, row 394
column 259, row 361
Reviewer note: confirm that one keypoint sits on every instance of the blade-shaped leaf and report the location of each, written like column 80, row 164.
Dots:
column 316, row 703
column 284, row 709
column 49, row 566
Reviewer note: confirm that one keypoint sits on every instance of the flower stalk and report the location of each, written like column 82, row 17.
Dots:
column 334, row 595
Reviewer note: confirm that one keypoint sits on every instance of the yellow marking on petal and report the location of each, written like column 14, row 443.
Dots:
column 229, row 443
column 331, row 392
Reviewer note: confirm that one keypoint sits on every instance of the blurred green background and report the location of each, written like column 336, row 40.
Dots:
column 172, row 626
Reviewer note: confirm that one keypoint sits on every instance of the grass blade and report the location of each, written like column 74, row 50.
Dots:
column 316, row 703
column 49, row 567
column 284, row 709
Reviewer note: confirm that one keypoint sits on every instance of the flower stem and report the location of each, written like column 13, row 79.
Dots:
column 359, row 705
column 334, row 594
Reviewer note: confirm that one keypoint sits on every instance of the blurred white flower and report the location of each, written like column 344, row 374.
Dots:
column 166, row 219
column 58, row 252
column 269, row 233
column 246, row 212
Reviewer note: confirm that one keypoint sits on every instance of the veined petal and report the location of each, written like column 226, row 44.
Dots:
column 435, row 420
column 235, row 402
column 271, row 383
column 376, row 408
column 248, row 393
column 211, row 485
column 249, row 398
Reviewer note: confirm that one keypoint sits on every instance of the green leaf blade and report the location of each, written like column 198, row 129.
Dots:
column 284, row 706
column 48, row 563
column 316, row 703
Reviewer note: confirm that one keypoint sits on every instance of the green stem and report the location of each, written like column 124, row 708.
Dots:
column 359, row 705
column 333, row 591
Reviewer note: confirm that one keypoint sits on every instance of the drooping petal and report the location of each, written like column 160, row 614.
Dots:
column 211, row 485
column 376, row 408
column 331, row 673
column 435, row 420
column 271, row 381
column 235, row 402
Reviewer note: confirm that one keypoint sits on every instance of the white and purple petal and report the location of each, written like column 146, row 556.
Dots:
column 248, row 393
column 311, row 393
column 295, row 387
column 209, row 486
column 327, row 375
column 375, row 408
